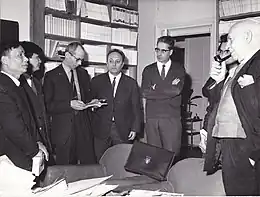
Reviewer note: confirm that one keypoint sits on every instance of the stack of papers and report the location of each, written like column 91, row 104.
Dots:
column 14, row 180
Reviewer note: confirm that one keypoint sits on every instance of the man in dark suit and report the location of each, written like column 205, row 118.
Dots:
column 34, row 93
column 234, row 120
column 66, row 94
column 18, row 133
column 120, row 120
column 162, row 83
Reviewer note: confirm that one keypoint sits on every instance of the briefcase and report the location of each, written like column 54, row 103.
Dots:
column 149, row 160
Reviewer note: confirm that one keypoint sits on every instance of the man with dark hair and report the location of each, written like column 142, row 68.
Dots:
column 18, row 133
column 162, row 83
column 120, row 120
column 33, row 89
column 67, row 96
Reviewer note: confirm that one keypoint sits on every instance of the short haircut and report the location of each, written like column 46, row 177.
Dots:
column 117, row 51
column 5, row 48
column 167, row 40
column 73, row 46
column 31, row 48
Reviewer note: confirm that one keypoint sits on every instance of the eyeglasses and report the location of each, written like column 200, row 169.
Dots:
column 77, row 59
column 157, row 50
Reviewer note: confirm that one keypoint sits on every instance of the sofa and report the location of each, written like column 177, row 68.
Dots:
column 186, row 176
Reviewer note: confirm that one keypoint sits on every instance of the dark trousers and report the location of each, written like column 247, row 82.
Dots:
column 164, row 133
column 79, row 148
column 239, row 176
column 101, row 145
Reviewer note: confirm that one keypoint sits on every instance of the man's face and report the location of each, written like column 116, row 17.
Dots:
column 236, row 44
column 76, row 57
column 163, row 52
column 16, row 62
column 115, row 63
column 35, row 61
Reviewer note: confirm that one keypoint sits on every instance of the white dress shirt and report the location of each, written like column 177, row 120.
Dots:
column 167, row 67
column 111, row 77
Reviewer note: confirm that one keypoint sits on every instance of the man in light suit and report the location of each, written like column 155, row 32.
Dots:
column 120, row 120
column 162, row 84
column 18, row 133
column 234, row 119
column 67, row 97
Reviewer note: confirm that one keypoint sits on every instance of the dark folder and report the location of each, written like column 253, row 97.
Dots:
column 149, row 160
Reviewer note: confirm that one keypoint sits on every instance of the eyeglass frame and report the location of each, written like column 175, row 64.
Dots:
column 77, row 59
column 157, row 50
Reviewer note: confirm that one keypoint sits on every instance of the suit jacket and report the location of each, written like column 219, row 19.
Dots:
column 247, row 104
column 127, row 106
column 58, row 93
column 165, row 100
column 36, row 101
column 18, row 134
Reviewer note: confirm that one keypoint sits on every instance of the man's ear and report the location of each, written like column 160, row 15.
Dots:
column 171, row 52
column 248, row 35
column 4, row 60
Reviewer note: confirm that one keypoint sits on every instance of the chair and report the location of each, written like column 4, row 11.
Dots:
column 187, row 177
column 114, row 159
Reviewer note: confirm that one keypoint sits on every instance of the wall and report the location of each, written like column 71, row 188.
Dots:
column 146, row 39
column 17, row 10
column 158, row 14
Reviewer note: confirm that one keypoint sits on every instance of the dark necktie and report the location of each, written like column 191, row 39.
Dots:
column 113, row 85
column 163, row 72
column 72, row 82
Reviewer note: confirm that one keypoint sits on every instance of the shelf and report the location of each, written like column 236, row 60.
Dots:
column 60, row 14
column 239, row 16
column 95, row 21
column 94, row 42
column 120, row 25
column 108, row 2
column 58, row 37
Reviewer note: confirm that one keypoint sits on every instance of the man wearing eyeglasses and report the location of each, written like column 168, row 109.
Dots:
column 67, row 96
column 162, row 83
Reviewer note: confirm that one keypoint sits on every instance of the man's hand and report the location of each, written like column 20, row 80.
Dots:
column 252, row 162
column 218, row 71
column 96, row 103
column 153, row 86
column 44, row 150
column 77, row 105
column 245, row 80
column 132, row 135
column 176, row 81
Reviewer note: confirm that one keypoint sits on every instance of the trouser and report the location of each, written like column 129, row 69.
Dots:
column 164, row 133
column 239, row 176
column 101, row 145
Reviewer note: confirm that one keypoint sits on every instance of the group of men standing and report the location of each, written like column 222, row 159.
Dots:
column 72, row 119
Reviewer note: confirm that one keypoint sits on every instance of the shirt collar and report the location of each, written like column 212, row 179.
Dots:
column 66, row 68
column 16, row 81
column 167, row 64
column 111, row 77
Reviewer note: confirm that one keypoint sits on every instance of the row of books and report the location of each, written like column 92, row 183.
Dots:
column 60, row 26
column 94, row 11
column 108, row 34
column 124, row 16
column 95, row 53
column 56, row 4
column 224, row 26
column 233, row 7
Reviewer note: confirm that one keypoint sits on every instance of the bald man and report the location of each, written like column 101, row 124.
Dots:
column 235, row 116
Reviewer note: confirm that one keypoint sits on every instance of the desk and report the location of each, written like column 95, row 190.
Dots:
column 189, row 128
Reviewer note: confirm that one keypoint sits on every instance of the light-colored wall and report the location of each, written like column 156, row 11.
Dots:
column 147, row 31
column 17, row 10
column 159, row 14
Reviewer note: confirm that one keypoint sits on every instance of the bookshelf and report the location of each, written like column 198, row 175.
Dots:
column 98, row 24
column 231, row 11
